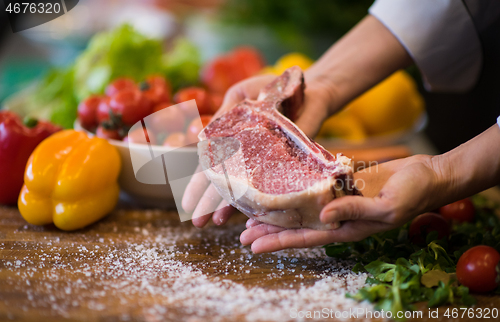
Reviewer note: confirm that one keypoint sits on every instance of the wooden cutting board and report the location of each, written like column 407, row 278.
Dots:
column 144, row 265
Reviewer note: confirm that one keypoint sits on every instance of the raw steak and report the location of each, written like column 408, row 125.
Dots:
column 265, row 166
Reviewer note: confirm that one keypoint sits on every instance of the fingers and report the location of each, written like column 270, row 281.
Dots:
column 250, row 235
column 300, row 238
column 252, row 222
column 248, row 88
column 200, row 222
column 232, row 97
column 208, row 202
column 220, row 216
column 194, row 190
column 289, row 238
column 355, row 208
column 223, row 213
column 251, row 87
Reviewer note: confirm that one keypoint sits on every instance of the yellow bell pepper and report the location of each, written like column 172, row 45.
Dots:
column 293, row 59
column 343, row 125
column 70, row 180
column 287, row 61
column 391, row 106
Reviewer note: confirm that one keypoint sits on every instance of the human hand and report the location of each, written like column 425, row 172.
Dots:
column 200, row 194
column 393, row 193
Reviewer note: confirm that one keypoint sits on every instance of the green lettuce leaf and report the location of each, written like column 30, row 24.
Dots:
column 121, row 52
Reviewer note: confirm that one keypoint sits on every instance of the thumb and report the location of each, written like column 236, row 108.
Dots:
column 355, row 208
column 232, row 97
column 248, row 88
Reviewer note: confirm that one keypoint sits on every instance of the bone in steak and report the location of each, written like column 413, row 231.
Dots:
column 276, row 174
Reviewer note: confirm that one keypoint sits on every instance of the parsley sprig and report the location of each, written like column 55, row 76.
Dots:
column 403, row 273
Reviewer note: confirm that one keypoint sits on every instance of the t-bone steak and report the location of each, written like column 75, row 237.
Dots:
column 265, row 166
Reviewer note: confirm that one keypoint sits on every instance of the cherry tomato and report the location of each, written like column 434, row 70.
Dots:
column 87, row 112
column 158, row 80
column 247, row 62
column 479, row 269
column 200, row 95
column 161, row 106
column 217, row 75
column 156, row 89
column 226, row 70
column 131, row 105
column 461, row 211
column 103, row 110
column 107, row 134
column 195, row 128
column 175, row 140
column 422, row 225
column 168, row 119
column 140, row 136
column 119, row 84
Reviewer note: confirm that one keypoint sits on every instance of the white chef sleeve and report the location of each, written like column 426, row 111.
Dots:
column 440, row 37
column 498, row 121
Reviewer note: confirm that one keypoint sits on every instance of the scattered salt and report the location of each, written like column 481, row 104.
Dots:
column 157, row 266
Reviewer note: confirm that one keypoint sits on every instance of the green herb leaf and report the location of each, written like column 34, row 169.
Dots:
column 432, row 278
column 359, row 268
column 403, row 273
column 381, row 271
column 442, row 295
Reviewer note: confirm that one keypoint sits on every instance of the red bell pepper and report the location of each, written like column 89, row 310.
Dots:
column 17, row 141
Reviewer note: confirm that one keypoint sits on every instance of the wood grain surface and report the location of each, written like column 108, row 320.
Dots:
column 136, row 265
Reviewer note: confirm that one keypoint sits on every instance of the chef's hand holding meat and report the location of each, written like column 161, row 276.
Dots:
column 396, row 191
column 200, row 193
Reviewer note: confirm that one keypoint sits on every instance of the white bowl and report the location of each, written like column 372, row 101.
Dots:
column 143, row 176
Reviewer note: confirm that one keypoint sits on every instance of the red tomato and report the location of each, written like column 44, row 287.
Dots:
column 247, row 62
column 140, row 136
column 422, row 225
column 175, row 140
column 195, row 128
column 168, row 119
column 462, row 211
column 478, row 269
column 87, row 112
column 224, row 71
column 131, row 105
column 107, row 134
column 161, row 106
column 217, row 75
column 103, row 110
column 156, row 89
column 200, row 95
column 158, row 80
column 119, row 84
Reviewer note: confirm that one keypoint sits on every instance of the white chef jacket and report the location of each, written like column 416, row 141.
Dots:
column 441, row 37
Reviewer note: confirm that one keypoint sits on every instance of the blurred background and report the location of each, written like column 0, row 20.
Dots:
column 48, row 69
